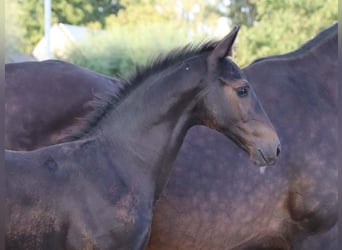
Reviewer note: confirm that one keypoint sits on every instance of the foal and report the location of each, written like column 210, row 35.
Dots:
column 98, row 191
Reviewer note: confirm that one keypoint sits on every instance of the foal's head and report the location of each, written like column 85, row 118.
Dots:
column 228, row 104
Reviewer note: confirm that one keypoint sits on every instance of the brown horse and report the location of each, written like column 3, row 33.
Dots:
column 206, row 207
column 98, row 192
column 33, row 121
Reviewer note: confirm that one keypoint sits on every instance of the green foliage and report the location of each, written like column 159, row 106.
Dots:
column 80, row 12
column 282, row 26
column 117, row 51
column 143, row 29
column 138, row 33
column 30, row 16
column 95, row 13
column 137, row 29
column 13, row 32
column 240, row 12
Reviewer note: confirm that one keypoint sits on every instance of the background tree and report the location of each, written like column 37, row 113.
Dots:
column 283, row 25
column 133, row 30
column 239, row 12
column 14, row 31
column 145, row 27
column 30, row 15
column 142, row 30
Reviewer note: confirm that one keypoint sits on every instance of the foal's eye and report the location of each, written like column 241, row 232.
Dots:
column 242, row 91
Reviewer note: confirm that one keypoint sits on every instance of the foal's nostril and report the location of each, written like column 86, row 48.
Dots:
column 278, row 150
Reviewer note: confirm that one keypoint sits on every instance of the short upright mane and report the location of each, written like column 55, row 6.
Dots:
column 103, row 104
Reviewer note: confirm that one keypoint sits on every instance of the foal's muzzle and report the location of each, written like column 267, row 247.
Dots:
column 266, row 155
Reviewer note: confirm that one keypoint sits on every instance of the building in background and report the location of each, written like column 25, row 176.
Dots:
column 63, row 37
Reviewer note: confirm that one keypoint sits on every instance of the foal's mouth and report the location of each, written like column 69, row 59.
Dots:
column 265, row 163
column 262, row 161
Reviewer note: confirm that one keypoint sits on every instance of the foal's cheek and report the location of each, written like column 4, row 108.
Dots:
column 247, row 109
column 235, row 105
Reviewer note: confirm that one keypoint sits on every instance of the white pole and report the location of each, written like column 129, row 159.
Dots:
column 47, row 26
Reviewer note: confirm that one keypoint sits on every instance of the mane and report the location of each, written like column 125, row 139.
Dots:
column 106, row 102
column 321, row 38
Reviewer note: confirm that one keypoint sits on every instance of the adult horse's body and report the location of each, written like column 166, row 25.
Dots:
column 98, row 191
column 33, row 121
column 206, row 207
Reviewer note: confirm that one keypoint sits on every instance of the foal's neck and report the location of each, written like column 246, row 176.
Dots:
column 148, row 127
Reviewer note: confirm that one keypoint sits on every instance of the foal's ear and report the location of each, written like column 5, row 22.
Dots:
column 224, row 47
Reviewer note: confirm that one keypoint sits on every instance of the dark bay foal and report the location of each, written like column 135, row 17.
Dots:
column 98, row 192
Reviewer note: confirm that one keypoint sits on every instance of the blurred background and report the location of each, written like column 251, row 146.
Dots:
column 112, row 36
